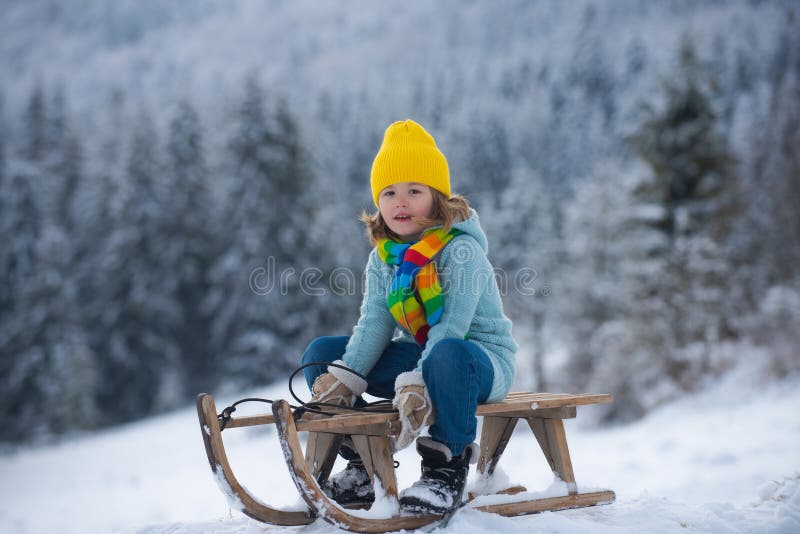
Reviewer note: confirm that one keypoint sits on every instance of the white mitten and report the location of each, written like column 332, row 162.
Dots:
column 414, row 404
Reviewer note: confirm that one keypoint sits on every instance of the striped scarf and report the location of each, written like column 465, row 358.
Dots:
column 415, row 298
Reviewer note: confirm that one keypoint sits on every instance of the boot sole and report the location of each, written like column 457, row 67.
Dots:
column 416, row 506
column 354, row 503
column 357, row 505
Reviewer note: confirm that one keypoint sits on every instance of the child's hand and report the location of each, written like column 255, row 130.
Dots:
column 328, row 389
column 338, row 386
column 414, row 404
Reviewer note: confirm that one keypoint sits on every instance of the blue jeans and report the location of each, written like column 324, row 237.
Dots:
column 457, row 372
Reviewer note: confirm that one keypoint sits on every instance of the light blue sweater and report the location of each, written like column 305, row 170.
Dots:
column 472, row 308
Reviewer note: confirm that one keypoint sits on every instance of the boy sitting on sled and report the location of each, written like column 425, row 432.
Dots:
column 429, row 276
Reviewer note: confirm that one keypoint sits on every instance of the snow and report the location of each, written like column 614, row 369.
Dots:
column 233, row 500
column 383, row 507
column 487, row 484
column 558, row 488
column 724, row 460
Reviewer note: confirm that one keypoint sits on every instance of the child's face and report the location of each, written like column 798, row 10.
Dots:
column 402, row 205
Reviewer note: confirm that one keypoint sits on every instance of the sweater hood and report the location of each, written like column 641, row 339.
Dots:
column 472, row 227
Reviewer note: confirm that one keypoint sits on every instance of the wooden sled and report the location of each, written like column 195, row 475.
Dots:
column 372, row 433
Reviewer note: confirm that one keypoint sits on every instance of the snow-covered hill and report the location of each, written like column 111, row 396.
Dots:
column 721, row 461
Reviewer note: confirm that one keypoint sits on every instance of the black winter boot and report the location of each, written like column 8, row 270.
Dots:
column 351, row 487
column 443, row 479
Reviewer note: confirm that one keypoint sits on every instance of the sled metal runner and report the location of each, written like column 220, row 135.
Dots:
column 371, row 432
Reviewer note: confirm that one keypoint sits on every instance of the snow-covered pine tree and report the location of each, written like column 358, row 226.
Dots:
column 635, row 345
column 258, row 316
column 3, row 142
column 590, row 299
column 340, row 167
column 64, row 164
column 61, row 379
column 590, row 70
column 95, row 211
column 524, row 249
column 677, row 306
column 20, row 224
column 20, row 227
column 293, row 185
column 190, row 249
column 5, row 287
column 108, row 172
column 34, row 127
column 489, row 160
column 772, row 180
column 2, row 147
column 770, row 228
column 134, row 339
column 48, row 369
column 240, row 332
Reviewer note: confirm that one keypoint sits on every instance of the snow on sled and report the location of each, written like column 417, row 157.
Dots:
column 372, row 432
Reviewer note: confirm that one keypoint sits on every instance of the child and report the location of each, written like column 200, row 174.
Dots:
column 429, row 276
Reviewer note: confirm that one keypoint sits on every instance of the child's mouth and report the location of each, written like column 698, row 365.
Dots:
column 403, row 218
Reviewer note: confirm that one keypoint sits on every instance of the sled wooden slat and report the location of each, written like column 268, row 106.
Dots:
column 525, row 403
column 495, row 434
column 550, row 504
column 269, row 419
column 387, row 424
column 553, row 441
column 260, row 419
column 376, row 453
column 321, row 450
column 374, row 424
column 250, row 420
column 514, row 405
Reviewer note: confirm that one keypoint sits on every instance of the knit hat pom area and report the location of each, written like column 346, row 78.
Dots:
column 409, row 154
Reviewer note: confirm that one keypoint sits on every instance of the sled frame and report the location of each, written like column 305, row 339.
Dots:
column 372, row 433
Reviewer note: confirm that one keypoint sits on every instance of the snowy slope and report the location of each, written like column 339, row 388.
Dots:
column 722, row 461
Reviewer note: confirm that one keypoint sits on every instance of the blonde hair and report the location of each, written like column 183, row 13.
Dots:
column 445, row 212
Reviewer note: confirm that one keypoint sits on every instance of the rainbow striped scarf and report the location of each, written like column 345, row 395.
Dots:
column 415, row 298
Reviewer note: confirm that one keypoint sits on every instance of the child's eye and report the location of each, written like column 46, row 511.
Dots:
column 413, row 191
column 388, row 193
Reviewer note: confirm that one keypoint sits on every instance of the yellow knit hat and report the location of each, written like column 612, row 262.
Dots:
column 409, row 154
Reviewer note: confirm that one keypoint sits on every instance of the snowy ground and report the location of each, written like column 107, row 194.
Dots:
column 726, row 460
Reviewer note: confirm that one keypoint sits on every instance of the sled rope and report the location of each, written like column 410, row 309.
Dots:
column 313, row 407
